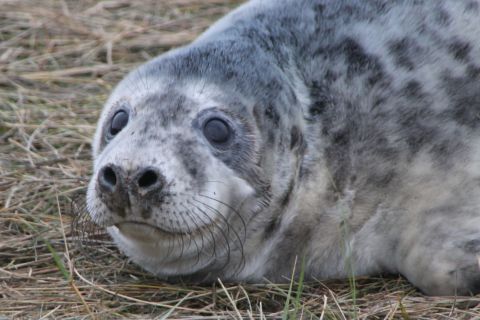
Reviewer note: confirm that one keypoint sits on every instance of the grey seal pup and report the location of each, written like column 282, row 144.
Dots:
column 342, row 133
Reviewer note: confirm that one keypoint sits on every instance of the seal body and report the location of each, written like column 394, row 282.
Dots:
column 345, row 134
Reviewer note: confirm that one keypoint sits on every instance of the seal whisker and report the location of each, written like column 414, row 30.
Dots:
column 181, row 234
column 190, row 232
column 240, row 242
column 171, row 242
column 225, row 237
column 232, row 209
column 209, row 224
column 229, row 227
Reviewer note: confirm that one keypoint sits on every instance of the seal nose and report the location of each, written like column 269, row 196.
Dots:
column 148, row 180
column 108, row 178
column 118, row 186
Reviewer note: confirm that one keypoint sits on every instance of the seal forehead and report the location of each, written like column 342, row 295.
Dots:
column 165, row 109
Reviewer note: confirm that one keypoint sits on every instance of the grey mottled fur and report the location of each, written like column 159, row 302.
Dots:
column 357, row 146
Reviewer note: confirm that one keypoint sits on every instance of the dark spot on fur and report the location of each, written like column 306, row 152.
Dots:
column 271, row 228
column 382, row 179
column 190, row 159
column 305, row 171
column 296, row 137
column 419, row 136
column 337, row 155
column 272, row 114
column 459, row 49
column 286, row 196
column 472, row 6
column 443, row 150
column 375, row 78
column 330, row 76
column 413, row 90
column 473, row 71
column 356, row 57
column 192, row 171
column 472, row 246
column 165, row 109
column 319, row 8
column 378, row 100
column 442, row 17
column 317, row 108
column 320, row 99
column 260, row 17
column 417, row 128
column 360, row 63
column 341, row 138
column 270, row 137
column 402, row 51
column 464, row 94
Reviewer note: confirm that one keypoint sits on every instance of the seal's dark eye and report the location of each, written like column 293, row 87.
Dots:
column 119, row 121
column 217, row 131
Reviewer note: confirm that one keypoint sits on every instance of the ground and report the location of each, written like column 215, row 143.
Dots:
column 58, row 62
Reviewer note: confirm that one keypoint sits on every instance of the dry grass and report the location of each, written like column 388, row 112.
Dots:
column 58, row 62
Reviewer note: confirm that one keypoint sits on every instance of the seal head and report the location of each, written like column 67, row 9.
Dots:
column 183, row 165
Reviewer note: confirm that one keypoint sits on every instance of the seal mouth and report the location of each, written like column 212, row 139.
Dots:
column 141, row 231
column 145, row 232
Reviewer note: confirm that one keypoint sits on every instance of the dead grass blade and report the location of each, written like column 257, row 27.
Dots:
column 58, row 62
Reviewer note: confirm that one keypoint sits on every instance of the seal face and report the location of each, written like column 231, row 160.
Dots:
column 344, row 132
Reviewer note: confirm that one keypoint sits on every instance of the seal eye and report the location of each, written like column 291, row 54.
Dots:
column 119, row 121
column 217, row 131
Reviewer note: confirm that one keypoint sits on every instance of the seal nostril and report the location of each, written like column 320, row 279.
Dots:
column 147, row 179
column 109, row 176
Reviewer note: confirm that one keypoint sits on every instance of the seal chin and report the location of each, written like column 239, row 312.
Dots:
column 156, row 249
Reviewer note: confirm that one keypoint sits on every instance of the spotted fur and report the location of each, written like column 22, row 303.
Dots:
column 356, row 145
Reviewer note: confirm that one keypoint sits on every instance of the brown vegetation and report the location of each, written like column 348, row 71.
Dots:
column 58, row 62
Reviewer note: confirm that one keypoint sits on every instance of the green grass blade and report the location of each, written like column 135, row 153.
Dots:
column 56, row 258
column 289, row 294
